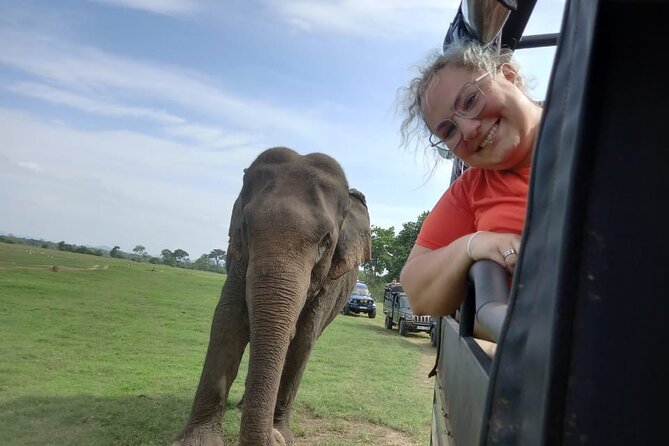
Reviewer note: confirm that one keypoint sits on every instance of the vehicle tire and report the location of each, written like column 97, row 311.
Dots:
column 389, row 323
column 403, row 328
column 347, row 310
column 372, row 314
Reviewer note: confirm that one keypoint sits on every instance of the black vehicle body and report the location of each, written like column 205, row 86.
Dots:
column 398, row 312
column 434, row 331
column 361, row 301
column 580, row 337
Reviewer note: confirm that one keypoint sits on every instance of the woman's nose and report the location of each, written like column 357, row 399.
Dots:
column 468, row 127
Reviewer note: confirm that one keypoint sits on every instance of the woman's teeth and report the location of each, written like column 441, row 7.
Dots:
column 489, row 137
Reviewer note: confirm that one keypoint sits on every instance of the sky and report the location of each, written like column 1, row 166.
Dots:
column 129, row 122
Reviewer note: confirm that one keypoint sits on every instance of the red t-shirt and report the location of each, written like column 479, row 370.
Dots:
column 479, row 200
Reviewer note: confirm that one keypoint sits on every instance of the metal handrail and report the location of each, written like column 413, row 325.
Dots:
column 490, row 298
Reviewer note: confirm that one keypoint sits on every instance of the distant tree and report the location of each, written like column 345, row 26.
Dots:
column 382, row 251
column 115, row 252
column 203, row 263
column 139, row 250
column 168, row 257
column 62, row 246
column 180, row 255
column 82, row 250
column 217, row 255
column 403, row 244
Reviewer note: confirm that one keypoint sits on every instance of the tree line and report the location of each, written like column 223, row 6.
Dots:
column 214, row 261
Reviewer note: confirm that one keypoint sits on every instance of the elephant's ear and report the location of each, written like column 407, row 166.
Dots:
column 355, row 241
column 235, row 249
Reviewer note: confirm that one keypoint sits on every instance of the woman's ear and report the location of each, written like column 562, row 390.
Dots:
column 510, row 73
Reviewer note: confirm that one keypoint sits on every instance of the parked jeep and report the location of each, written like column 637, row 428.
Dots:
column 397, row 310
column 361, row 301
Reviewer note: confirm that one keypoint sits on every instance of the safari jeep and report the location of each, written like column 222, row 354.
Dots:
column 397, row 310
column 361, row 301
column 580, row 334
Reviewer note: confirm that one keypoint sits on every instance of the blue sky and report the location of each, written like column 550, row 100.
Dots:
column 128, row 122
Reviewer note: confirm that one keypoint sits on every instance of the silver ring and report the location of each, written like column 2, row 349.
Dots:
column 509, row 252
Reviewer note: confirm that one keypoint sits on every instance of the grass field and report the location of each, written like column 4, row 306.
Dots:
column 105, row 351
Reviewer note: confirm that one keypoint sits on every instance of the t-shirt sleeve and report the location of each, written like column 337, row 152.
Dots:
column 450, row 219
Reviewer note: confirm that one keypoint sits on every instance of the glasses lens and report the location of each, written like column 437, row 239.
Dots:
column 449, row 133
column 469, row 102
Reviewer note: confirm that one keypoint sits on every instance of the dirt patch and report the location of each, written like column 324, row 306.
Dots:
column 316, row 431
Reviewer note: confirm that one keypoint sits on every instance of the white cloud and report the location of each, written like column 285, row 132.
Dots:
column 91, row 72
column 166, row 7
column 34, row 167
column 207, row 137
column 388, row 19
column 63, row 97
column 211, row 137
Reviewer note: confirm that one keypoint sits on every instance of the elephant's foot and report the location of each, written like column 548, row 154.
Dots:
column 200, row 436
column 284, row 428
column 277, row 439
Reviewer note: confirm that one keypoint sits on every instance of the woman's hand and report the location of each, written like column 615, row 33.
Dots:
column 500, row 248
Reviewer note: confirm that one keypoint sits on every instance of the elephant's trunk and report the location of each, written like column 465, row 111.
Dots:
column 276, row 293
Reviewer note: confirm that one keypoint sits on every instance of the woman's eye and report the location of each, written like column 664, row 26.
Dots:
column 448, row 130
column 470, row 101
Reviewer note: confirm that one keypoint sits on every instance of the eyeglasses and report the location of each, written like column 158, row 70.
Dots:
column 468, row 104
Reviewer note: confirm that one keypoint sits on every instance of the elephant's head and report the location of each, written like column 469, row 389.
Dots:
column 297, row 211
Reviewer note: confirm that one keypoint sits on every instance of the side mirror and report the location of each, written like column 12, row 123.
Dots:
column 485, row 18
column 480, row 20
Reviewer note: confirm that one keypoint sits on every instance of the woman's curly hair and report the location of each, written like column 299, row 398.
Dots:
column 469, row 55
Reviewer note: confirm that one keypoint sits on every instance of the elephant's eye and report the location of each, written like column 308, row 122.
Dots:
column 324, row 243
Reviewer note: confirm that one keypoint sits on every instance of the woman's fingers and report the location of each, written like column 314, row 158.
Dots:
column 510, row 254
column 500, row 248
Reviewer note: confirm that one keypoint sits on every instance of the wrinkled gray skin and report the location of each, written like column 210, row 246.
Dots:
column 297, row 236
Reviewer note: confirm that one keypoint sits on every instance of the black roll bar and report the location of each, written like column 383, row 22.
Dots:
column 486, row 300
column 491, row 283
column 537, row 41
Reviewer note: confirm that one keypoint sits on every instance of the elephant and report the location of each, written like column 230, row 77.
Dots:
column 297, row 236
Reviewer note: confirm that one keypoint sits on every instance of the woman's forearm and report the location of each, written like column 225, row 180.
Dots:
column 436, row 280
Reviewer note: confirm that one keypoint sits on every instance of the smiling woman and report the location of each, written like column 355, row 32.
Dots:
column 473, row 103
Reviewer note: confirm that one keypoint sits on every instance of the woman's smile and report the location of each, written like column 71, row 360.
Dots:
column 490, row 136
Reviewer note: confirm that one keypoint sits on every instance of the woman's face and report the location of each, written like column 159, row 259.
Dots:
column 502, row 135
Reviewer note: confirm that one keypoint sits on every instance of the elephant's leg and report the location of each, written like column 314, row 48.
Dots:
column 296, row 360
column 228, row 339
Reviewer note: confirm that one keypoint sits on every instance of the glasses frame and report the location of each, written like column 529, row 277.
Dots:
column 442, row 148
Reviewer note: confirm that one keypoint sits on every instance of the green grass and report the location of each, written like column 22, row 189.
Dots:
column 108, row 352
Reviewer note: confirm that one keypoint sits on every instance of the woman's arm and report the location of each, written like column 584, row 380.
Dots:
column 436, row 280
